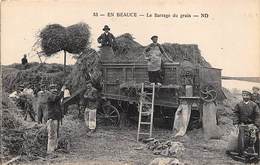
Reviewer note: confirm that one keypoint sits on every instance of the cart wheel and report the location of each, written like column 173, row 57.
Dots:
column 108, row 115
column 208, row 93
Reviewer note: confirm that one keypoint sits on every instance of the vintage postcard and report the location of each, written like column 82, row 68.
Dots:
column 130, row 82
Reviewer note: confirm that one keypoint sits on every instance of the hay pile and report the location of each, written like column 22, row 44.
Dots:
column 190, row 52
column 125, row 43
column 26, row 138
column 225, row 113
column 73, row 39
column 34, row 76
column 12, row 137
column 87, row 62
column 17, row 138
column 128, row 50
column 53, row 39
column 10, row 118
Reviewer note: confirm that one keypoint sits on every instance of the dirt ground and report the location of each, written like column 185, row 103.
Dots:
column 110, row 145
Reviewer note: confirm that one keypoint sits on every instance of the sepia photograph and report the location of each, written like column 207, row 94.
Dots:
column 151, row 82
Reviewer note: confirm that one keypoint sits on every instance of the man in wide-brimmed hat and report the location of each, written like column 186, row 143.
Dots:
column 256, row 95
column 106, row 38
column 154, row 53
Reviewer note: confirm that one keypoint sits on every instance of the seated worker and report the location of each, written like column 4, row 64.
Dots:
column 154, row 53
column 106, row 38
column 256, row 96
column 248, row 118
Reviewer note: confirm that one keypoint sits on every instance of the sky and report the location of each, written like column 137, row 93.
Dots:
column 229, row 38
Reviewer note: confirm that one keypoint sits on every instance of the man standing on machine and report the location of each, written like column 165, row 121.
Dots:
column 154, row 53
column 107, row 41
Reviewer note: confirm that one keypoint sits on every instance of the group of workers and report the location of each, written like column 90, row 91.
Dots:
column 247, row 111
column 51, row 109
column 153, row 54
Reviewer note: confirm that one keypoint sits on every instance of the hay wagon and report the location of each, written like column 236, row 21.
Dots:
column 185, row 79
column 182, row 80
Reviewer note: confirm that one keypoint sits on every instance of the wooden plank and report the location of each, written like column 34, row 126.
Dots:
column 125, row 75
column 133, row 73
column 158, row 102
column 105, row 78
column 135, row 64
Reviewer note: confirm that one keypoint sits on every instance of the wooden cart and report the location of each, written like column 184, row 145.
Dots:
column 122, row 83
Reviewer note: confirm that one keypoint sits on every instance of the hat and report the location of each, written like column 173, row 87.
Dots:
column 106, row 28
column 256, row 88
column 246, row 92
column 54, row 91
column 53, row 86
column 154, row 37
column 21, row 85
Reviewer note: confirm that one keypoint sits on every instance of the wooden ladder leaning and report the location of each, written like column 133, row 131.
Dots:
column 143, row 102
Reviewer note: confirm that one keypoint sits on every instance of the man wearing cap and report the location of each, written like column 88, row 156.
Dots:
column 247, row 111
column 256, row 96
column 54, row 116
column 247, row 116
column 91, row 96
column 106, row 38
column 154, row 53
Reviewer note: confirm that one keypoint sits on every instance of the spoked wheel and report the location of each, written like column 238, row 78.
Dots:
column 108, row 115
column 208, row 93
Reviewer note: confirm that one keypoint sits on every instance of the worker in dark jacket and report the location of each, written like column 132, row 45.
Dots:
column 154, row 53
column 247, row 111
column 54, row 116
column 248, row 118
column 106, row 38
column 256, row 96
column 24, row 60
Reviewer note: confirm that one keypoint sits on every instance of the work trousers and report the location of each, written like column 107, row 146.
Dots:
column 52, row 126
column 42, row 113
column 29, row 111
column 90, row 118
column 155, row 76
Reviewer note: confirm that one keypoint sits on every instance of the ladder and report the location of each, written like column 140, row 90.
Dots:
column 142, row 104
